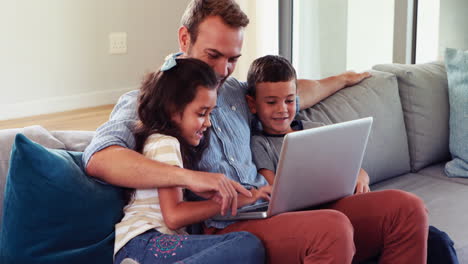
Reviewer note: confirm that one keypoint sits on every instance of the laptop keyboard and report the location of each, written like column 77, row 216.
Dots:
column 254, row 207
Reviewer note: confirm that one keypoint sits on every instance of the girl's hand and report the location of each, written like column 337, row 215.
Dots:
column 263, row 192
column 362, row 185
column 217, row 187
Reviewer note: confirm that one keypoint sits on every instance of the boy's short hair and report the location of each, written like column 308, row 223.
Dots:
column 198, row 10
column 270, row 68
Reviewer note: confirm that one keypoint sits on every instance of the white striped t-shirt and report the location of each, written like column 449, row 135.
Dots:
column 143, row 211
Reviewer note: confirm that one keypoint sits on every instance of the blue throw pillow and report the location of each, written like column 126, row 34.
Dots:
column 456, row 62
column 53, row 212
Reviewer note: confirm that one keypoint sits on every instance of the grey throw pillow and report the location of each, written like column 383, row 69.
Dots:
column 457, row 71
column 424, row 97
column 387, row 150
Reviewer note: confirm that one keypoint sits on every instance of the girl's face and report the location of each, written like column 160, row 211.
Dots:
column 195, row 118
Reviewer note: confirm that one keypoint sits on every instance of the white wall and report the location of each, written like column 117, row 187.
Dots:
column 54, row 53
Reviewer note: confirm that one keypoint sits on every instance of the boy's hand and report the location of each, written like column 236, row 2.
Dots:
column 362, row 185
column 263, row 192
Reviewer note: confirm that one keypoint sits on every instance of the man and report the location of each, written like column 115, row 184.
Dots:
column 212, row 31
column 110, row 156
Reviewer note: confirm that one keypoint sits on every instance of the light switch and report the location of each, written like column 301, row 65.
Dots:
column 118, row 42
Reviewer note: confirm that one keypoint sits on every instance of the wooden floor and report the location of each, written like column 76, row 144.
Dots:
column 82, row 119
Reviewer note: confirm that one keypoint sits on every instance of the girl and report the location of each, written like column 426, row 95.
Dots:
column 174, row 112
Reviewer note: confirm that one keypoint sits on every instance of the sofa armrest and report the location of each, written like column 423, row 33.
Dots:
column 74, row 140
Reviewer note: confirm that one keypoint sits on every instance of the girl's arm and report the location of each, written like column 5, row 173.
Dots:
column 178, row 213
column 268, row 174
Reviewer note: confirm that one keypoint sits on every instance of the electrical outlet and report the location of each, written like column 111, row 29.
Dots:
column 118, row 43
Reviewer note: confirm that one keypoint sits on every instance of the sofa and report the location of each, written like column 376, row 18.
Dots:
column 407, row 149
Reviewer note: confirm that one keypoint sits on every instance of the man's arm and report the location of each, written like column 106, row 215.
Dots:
column 311, row 91
column 124, row 167
column 110, row 158
column 127, row 168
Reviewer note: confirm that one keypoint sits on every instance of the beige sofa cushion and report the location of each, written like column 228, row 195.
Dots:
column 442, row 198
column 424, row 97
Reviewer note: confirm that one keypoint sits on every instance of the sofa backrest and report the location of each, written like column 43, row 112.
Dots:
column 423, row 91
column 387, row 150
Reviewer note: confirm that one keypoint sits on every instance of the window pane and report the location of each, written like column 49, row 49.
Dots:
column 453, row 30
column 427, row 36
column 333, row 36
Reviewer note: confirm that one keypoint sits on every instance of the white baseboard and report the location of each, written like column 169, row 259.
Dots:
column 60, row 103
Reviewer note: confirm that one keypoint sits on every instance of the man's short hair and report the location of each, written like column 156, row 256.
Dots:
column 270, row 68
column 198, row 10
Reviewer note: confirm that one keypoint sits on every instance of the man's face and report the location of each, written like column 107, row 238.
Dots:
column 275, row 105
column 217, row 44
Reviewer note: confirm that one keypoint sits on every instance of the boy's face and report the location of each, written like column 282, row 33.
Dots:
column 275, row 105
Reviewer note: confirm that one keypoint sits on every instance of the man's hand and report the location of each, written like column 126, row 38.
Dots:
column 362, row 185
column 352, row 78
column 312, row 92
column 219, row 188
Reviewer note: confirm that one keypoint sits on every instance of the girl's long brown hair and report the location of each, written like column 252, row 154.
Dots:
column 164, row 93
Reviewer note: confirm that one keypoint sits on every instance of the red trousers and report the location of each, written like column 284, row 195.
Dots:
column 392, row 224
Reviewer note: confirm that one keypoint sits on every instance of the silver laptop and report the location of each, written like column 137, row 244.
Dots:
column 316, row 166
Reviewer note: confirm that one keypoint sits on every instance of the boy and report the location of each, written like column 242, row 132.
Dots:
column 271, row 95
